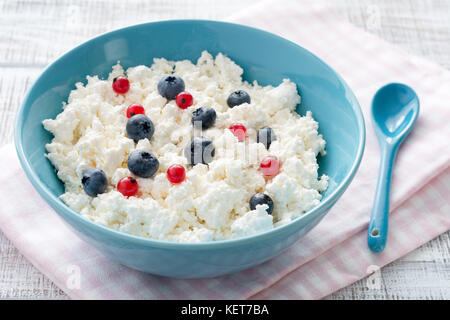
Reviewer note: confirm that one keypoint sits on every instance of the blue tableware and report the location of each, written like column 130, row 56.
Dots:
column 264, row 57
column 395, row 108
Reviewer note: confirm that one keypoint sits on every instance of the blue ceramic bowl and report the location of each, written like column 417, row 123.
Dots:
column 264, row 57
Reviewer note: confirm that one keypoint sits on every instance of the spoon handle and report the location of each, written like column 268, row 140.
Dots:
column 378, row 225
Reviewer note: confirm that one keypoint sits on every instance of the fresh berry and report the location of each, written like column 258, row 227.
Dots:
column 121, row 85
column 184, row 100
column 170, row 85
column 269, row 166
column 239, row 131
column 199, row 150
column 266, row 136
column 261, row 198
column 128, row 186
column 142, row 163
column 238, row 97
column 140, row 127
column 204, row 117
column 94, row 181
column 135, row 109
column 176, row 173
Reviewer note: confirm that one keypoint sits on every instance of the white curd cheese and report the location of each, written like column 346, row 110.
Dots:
column 213, row 202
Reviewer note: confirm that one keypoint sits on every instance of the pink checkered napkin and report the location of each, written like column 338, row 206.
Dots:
column 332, row 255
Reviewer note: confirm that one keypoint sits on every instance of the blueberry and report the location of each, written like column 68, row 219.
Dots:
column 238, row 97
column 261, row 198
column 140, row 127
column 170, row 85
column 266, row 136
column 142, row 163
column 94, row 181
column 205, row 115
column 199, row 150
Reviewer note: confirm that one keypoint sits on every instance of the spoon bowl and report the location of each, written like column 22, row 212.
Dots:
column 395, row 108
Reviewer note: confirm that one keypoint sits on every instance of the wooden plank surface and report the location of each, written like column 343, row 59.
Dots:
column 33, row 33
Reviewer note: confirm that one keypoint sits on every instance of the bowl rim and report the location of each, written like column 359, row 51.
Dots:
column 68, row 213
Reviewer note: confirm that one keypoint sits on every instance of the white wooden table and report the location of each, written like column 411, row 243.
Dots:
column 33, row 33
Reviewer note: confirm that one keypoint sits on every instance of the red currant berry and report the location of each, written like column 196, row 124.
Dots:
column 239, row 131
column 184, row 100
column 176, row 173
column 135, row 109
column 269, row 166
column 128, row 186
column 121, row 85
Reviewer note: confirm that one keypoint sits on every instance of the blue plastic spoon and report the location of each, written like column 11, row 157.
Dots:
column 395, row 108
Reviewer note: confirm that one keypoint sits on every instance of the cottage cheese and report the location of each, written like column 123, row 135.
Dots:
column 213, row 202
